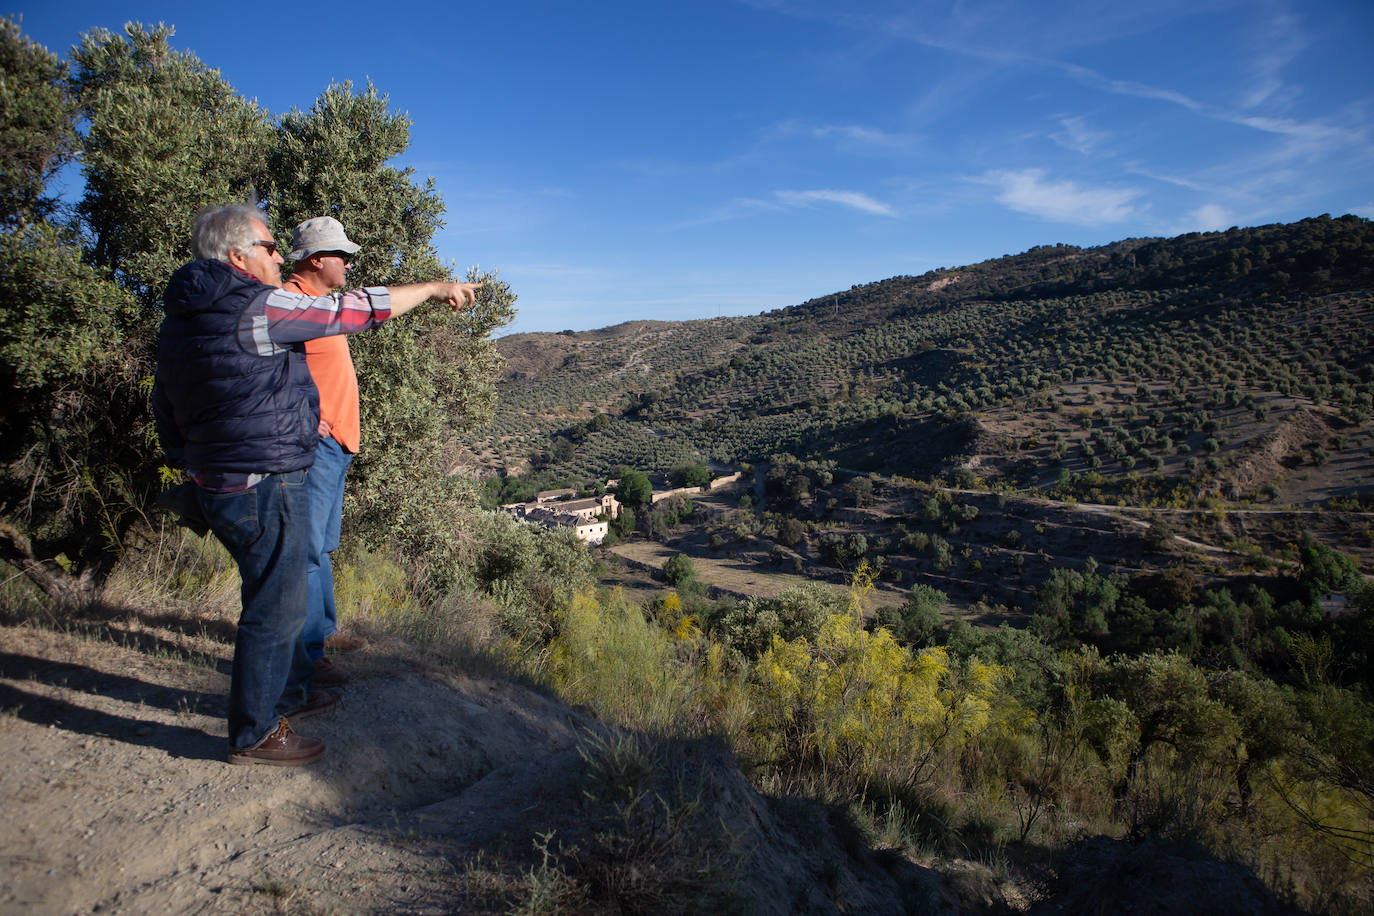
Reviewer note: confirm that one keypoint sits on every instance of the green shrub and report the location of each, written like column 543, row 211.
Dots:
column 749, row 627
column 678, row 570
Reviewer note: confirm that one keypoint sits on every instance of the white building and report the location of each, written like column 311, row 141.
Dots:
column 587, row 517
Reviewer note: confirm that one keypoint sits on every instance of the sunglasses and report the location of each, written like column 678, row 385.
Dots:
column 268, row 245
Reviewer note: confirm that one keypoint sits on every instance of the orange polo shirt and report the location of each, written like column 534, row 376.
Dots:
column 331, row 366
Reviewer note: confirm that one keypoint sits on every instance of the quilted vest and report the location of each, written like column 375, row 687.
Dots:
column 235, row 409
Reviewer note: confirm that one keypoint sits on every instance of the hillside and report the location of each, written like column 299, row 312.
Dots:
column 1220, row 385
column 1242, row 318
column 1153, row 458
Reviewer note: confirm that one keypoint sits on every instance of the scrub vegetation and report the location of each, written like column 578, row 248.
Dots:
column 1086, row 538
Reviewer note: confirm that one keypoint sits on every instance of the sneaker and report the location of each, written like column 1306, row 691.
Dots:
column 282, row 748
column 319, row 702
column 338, row 642
column 326, row 675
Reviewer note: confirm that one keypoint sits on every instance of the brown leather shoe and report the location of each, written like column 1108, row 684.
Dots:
column 326, row 675
column 282, row 748
column 319, row 702
column 341, row 643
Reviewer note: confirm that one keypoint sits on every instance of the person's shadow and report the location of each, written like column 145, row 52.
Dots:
column 176, row 740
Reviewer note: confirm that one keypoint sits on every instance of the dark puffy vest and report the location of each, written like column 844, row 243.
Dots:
column 231, row 409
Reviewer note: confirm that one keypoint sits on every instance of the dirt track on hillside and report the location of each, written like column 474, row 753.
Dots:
column 741, row 577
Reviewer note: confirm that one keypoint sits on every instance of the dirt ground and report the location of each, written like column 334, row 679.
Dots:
column 438, row 794
column 116, row 797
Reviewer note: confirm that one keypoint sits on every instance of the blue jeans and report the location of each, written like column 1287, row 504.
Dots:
column 264, row 528
column 324, row 485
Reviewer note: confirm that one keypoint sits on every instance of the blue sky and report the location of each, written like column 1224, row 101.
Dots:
column 674, row 160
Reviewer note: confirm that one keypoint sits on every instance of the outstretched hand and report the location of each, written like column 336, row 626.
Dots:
column 458, row 295
column 461, row 295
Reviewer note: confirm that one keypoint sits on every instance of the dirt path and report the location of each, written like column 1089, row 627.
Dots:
column 1139, row 516
column 1127, row 518
column 116, row 797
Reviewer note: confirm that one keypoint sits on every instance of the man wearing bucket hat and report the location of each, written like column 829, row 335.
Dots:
column 323, row 253
column 236, row 408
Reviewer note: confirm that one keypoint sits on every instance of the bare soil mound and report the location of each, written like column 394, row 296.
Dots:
column 1271, row 455
column 438, row 792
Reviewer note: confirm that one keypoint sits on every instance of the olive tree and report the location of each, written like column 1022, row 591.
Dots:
column 424, row 381
column 37, row 125
column 161, row 136
column 77, row 302
column 166, row 136
column 74, row 460
column 678, row 570
column 634, row 488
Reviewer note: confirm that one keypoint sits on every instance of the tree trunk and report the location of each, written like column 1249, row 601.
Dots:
column 65, row 590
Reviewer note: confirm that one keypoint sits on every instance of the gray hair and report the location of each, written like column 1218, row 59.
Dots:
column 219, row 230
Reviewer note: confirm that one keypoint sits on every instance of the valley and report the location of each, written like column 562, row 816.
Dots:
column 1212, row 395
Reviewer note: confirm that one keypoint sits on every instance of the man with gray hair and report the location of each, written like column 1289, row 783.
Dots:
column 237, row 409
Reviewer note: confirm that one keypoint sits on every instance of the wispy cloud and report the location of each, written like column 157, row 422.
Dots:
column 1308, row 134
column 852, row 199
column 983, row 32
column 738, row 208
column 865, row 135
column 1028, row 191
column 848, row 134
column 560, row 272
column 1076, row 135
column 1207, row 218
column 780, row 201
column 1137, row 168
column 996, row 30
column 852, row 138
column 1277, row 41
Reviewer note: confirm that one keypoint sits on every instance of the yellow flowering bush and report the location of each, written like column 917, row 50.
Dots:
column 630, row 669
column 862, row 702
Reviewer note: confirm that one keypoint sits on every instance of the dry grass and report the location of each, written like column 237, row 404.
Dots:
column 740, row 575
